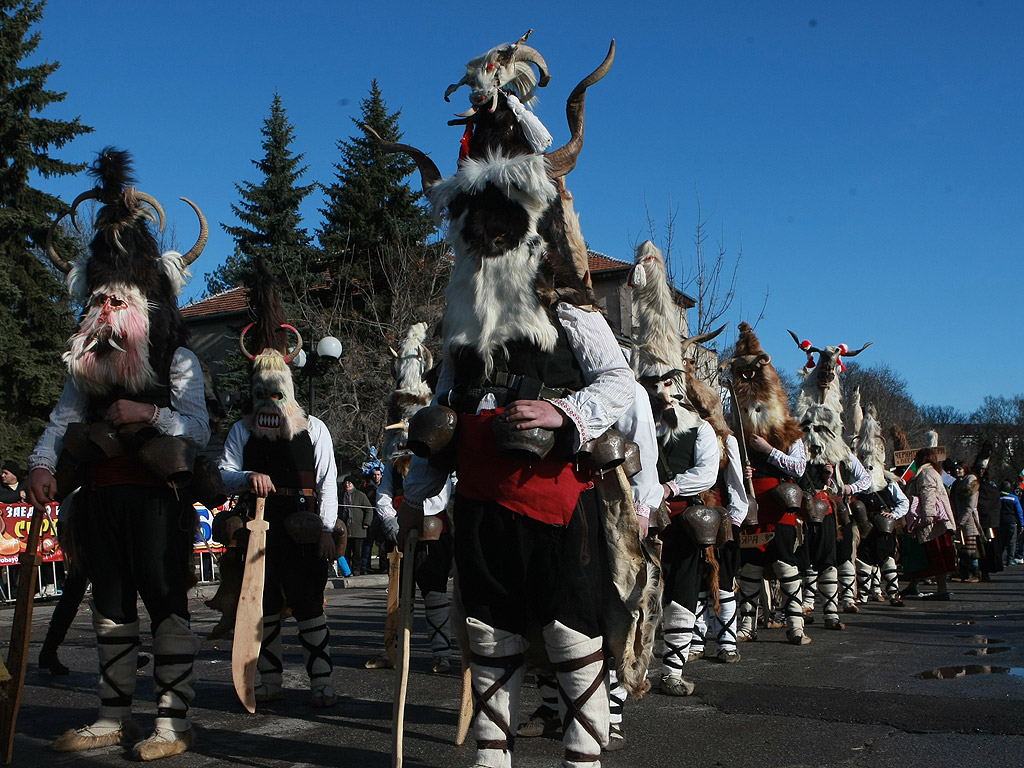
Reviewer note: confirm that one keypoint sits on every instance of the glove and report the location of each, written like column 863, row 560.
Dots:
column 390, row 525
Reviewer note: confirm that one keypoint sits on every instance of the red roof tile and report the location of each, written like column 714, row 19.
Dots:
column 598, row 262
column 230, row 301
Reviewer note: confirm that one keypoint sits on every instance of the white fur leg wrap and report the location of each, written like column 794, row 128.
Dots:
column 828, row 588
column 269, row 662
column 315, row 639
column 725, row 622
column 118, row 647
column 750, row 592
column 175, row 647
column 616, row 696
column 890, row 579
column 497, row 672
column 438, row 611
column 790, row 584
column 810, row 588
column 580, row 668
column 702, row 619
column 847, row 583
column 678, row 632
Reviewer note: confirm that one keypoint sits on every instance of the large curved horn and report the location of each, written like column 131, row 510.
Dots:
column 700, row 338
column 455, row 86
column 92, row 194
column 800, row 344
column 294, row 351
column 241, row 342
column 429, row 175
column 142, row 197
column 526, row 53
column 854, row 352
column 204, row 233
column 563, row 160
column 58, row 262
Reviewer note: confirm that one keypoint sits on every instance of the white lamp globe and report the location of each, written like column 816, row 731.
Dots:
column 329, row 347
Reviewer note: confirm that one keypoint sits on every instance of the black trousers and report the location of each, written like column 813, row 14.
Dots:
column 820, row 543
column 519, row 574
column 682, row 564
column 433, row 564
column 136, row 540
column 294, row 574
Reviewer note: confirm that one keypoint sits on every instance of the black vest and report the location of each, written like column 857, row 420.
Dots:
column 556, row 370
column 678, row 456
column 289, row 463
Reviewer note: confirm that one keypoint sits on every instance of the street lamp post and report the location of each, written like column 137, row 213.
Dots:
column 317, row 363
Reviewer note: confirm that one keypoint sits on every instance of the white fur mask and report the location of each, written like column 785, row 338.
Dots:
column 275, row 413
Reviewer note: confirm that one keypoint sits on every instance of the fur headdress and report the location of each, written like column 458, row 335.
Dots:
column 412, row 392
column 517, row 251
column 871, row 448
column 130, row 325
column 762, row 404
column 275, row 413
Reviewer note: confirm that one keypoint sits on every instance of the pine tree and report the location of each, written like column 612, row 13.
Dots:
column 269, row 212
column 35, row 315
column 370, row 206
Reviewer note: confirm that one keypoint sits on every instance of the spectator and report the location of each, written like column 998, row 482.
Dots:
column 1011, row 521
column 11, row 476
column 354, row 508
column 929, row 522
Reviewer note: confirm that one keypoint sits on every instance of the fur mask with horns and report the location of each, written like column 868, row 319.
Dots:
column 130, row 324
column 517, row 247
column 275, row 415
column 761, row 402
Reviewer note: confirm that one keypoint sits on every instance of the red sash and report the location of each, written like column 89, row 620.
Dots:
column 544, row 490
column 125, row 469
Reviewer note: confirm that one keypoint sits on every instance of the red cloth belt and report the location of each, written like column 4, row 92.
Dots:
column 768, row 509
column 545, row 490
column 125, row 469
column 675, row 507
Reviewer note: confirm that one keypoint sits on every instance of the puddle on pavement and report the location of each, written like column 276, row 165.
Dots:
column 987, row 651
column 962, row 623
column 949, row 673
column 981, row 640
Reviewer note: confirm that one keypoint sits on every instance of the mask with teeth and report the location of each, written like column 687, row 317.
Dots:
column 275, row 413
column 111, row 347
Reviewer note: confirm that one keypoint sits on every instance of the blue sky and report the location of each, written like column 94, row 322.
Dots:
column 867, row 156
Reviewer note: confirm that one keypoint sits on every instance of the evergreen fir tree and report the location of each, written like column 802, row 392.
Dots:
column 35, row 315
column 269, row 215
column 370, row 206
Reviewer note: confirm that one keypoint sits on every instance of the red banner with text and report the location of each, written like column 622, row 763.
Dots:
column 14, row 522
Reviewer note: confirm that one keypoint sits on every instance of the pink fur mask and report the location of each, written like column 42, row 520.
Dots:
column 111, row 347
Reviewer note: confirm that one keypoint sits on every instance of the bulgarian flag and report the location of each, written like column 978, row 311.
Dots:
column 912, row 470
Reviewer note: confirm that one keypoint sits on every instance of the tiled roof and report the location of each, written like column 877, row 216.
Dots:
column 230, row 301
column 599, row 262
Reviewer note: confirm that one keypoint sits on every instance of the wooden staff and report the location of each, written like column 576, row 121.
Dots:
column 404, row 637
column 391, row 621
column 21, row 630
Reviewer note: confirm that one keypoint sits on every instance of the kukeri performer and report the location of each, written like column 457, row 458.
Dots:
column 717, row 613
column 688, row 460
column 526, row 356
column 885, row 504
column 777, row 459
column 636, row 425
column 433, row 559
column 280, row 453
column 434, row 551
column 130, row 418
column 833, row 474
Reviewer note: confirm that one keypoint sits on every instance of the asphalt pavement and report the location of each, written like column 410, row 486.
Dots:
column 931, row 684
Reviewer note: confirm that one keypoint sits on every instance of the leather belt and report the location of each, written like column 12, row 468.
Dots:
column 294, row 492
